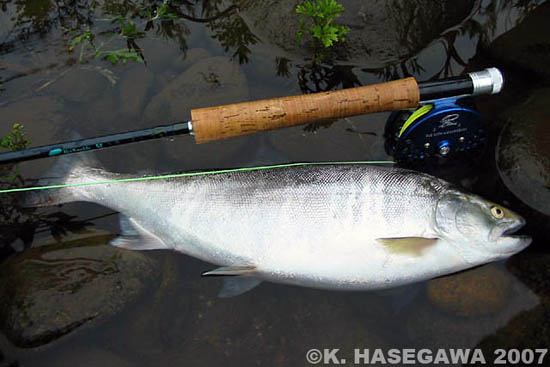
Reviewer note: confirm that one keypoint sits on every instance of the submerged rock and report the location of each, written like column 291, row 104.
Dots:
column 477, row 292
column 50, row 291
column 133, row 88
column 534, row 271
column 523, row 151
column 437, row 327
column 276, row 323
column 530, row 330
column 89, row 356
column 382, row 32
column 527, row 45
column 210, row 82
column 84, row 84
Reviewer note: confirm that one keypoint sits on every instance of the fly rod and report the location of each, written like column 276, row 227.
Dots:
column 222, row 122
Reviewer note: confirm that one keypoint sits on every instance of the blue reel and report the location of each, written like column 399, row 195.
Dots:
column 439, row 131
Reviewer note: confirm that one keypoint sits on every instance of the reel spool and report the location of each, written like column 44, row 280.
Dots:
column 448, row 130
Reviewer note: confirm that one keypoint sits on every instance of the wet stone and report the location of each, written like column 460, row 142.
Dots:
column 527, row 45
column 530, row 330
column 534, row 271
column 276, row 323
column 210, row 82
column 84, row 84
column 449, row 320
column 86, row 357
column 191, row 57
column 133, row 88
column 523, row 151
column 158, row 54
column 50, row 291
column 476, row 292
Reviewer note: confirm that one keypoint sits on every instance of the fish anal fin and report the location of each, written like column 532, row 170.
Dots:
column 135, row 237
column 234, row 286
column 407, row 245
column 237, row 279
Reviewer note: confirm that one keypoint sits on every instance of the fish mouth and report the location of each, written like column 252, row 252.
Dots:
column 513, row 229
column 508, row 240
column 507, row 230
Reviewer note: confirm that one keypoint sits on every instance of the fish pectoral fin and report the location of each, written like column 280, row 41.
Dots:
column 135, row 237
column 238, row 279
column 407, row 245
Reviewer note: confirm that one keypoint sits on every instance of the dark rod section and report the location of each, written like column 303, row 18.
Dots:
column 450, row 87
column 75, row 146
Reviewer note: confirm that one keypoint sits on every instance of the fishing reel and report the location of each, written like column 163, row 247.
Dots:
column 440, row 132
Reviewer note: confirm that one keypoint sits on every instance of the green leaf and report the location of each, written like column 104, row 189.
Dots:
column 120, row 55
column 161, row 11
column 129, row 29
column 317, row 31
column 172, row 16
column 16, row 139
column 299, row 35
column 112, row 58
column 322, row 13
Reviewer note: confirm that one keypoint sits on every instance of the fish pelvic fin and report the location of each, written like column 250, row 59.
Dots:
column 407, row 245
column 135, row 237
column 237, row 279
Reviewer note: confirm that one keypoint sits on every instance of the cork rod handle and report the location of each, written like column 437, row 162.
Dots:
column 222, row 122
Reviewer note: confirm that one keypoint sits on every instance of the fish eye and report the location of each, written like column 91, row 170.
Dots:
column 497, row 212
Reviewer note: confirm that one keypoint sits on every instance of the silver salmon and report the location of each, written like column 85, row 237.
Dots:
column 329, row 226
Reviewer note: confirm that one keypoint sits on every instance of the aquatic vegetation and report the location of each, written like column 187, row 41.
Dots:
column 127, row 30
column 16, row 139
column 323, row 30
column 24, row 223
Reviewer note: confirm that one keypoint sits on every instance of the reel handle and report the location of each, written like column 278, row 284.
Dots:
column 222, row 122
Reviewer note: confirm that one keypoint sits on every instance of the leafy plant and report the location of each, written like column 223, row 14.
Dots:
column 123, row 55
column 23, row 223
column 128, row 30
column 323, row 31
column 86, row 36
column 15, row 140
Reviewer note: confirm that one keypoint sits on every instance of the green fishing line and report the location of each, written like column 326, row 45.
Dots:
column 177, row 175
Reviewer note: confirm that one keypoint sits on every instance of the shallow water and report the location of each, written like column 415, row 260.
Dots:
column 54, row 92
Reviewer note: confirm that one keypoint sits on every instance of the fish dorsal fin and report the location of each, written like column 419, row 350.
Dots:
column 135, row 237
column 238, row 279
column 407, row 245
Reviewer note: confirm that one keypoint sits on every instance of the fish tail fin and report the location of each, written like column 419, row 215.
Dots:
column 66, row 170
